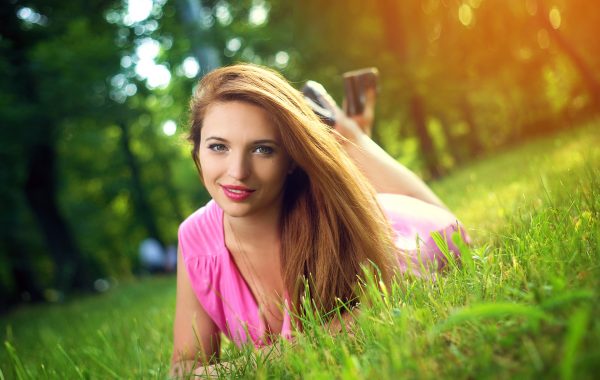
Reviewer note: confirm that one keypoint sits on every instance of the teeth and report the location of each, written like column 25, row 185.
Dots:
column 236, row 191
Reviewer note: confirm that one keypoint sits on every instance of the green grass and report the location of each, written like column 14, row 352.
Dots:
column 524, row 304
column 125, row 332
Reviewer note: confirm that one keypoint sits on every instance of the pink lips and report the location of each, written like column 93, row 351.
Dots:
column 237, row 193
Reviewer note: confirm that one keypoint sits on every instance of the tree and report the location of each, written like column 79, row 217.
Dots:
column 34, row 47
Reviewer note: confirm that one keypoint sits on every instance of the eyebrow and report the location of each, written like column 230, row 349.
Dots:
column 263, row 141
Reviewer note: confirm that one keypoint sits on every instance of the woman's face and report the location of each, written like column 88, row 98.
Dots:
column 244, row 166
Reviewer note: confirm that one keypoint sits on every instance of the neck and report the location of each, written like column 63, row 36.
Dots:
column 255, row 232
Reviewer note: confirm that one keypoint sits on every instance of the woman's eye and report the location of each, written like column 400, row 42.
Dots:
column 217, row 147
column 263, row 149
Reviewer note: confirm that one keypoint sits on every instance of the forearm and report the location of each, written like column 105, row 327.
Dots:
column 385, row 173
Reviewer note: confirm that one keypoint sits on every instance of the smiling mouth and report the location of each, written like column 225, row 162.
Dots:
column 237, row 193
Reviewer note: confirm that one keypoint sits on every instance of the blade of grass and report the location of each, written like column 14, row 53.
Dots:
column 466, row 255
column 491, row 310
column 442, row 244
column 18, row 366
column 77, row 369
column 567, row 298
column 575, row 333
column 102, row 365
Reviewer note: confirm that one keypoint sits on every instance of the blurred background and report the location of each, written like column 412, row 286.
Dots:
column 94, row 97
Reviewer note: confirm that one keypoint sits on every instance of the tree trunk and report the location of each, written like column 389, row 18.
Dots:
column 140, row 201
column 473, row 140
column 389, row 11
column 452, row 143
column 23, row 284
column 41, row 195
column 39, row 151
column 425, row 140
column 587, row 75
column 172, row 192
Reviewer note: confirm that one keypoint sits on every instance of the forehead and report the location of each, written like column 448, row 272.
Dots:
column 238, row 119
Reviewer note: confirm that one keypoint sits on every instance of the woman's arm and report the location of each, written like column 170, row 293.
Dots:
column 196, row 338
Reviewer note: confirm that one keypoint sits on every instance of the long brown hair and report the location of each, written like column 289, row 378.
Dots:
column 331, row 223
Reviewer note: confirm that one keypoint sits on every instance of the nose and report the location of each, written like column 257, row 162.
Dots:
column 239, row 166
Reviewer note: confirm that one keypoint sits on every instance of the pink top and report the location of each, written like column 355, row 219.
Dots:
column 227, row 298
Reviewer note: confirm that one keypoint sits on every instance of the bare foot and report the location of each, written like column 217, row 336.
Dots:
column 365, row 120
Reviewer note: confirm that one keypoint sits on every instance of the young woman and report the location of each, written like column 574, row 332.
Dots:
column 294, row 202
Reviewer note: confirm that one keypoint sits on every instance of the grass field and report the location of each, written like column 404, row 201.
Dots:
column 524, row 303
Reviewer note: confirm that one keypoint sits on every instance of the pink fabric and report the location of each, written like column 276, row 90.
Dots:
column 413, row 222
column 227, row 298
column 216, row 280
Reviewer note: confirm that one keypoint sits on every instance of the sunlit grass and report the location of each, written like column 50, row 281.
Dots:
column 524, row 303
column 485, row 193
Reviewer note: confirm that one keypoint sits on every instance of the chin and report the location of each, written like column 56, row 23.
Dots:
column 233, row 210
column 234, row 213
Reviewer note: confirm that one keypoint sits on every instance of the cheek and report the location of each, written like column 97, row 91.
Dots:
column 281, row 171
column 206, row 169
column 268, row 173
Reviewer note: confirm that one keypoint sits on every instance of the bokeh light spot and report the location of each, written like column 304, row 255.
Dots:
column 25, row 13
column 234, row 44
column 126, row 61
column 130, row 89
column 531, row 6
column 554, row 17
column 138, row 10
column 282, row 59
column 159, row 77
column 258, row 14
column 148, row 49
column 223, row 14
column 190, row 67
column 465, row 14
column 543, row 38
column 32, row 17
column 169, row 127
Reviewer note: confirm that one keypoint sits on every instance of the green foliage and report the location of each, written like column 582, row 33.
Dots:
column 54, row 73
